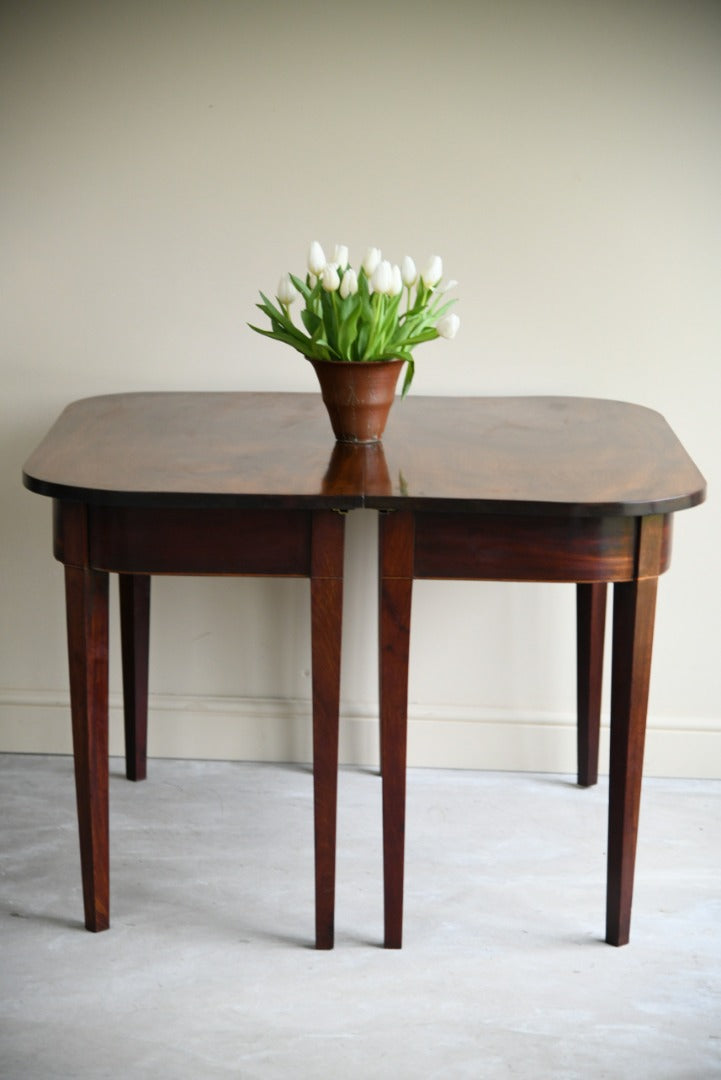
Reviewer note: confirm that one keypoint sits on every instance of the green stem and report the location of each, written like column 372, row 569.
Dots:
column 377, row 308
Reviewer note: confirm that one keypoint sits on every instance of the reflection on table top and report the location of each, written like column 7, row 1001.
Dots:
column 538, row 455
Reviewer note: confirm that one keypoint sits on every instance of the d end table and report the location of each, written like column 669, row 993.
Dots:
column 533, row 489
column 190, row 483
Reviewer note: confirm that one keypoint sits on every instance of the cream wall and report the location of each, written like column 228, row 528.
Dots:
column 163, row 161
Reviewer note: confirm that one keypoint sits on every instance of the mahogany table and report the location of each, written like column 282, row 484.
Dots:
column 533, row 489
column 190, row 483
column 523, row 489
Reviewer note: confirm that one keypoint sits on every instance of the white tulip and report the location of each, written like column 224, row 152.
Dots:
column 371, row 261
column 397, row 281
column 433, row 271
column 349, row 283
column 382, row 280
column 316, row 259
column 340, row 258
column 330, row 279
column 409, row 272
column 287, row 291
column 447, row 327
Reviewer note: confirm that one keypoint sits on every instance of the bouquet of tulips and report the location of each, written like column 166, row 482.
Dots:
column 380, row 312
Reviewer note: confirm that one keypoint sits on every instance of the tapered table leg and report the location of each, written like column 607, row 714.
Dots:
column 396, row 587
column 326, row 590
column 590, row 630
column 86, row 594
column 634, row 608
column 134, row 637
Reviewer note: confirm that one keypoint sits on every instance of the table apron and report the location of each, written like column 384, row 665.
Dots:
column 170, row 540
column 532, row 548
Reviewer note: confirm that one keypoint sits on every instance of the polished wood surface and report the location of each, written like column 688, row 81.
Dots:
column 535, row 455
column 507, row 455
column 150, row 484
column 516, row 547
column 193, row 450
column 543, row 489
column 525, row 489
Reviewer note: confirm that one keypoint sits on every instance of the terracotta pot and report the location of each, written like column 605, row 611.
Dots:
column 358, row 396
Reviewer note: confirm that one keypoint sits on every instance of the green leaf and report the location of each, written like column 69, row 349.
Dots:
column 312, row 322
column 301, row 286
column 350, row 311
column 361, row 344
column 410, row 372
column 365, row 298
column 412, row 325
column 426, row 335
column 389, row 322
column 376, row 307
column 272, row 311
column 280, row 335
column 330, row 322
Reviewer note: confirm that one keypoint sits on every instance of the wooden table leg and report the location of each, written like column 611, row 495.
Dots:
column 634, row 609
column 326, row 620
column 590, row 631
column 135, row 636
column 86, row 594
column 633, row 618
column 396, row 587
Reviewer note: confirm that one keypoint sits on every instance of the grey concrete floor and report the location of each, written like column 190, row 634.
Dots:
column 208, row 969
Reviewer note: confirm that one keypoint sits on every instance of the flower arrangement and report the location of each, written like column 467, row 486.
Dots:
column 359, row 316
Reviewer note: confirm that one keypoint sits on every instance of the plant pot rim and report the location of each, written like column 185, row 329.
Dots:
column 355, row 363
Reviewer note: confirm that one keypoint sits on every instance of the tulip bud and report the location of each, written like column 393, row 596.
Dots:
column 382, row 280
column 349, row 284
column 409, row 272
column 287, row 291
column 340, row 258
column 373, row 257
column 433, row 271
column 316, row 259
column 396, row 281
column 329, row 279
column 447, row 327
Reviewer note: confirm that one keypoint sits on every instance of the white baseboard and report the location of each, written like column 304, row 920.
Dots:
column 266, row 729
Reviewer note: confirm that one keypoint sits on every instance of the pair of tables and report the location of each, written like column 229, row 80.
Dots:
column 523, row 489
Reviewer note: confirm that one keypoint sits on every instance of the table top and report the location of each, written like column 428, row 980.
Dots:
column 534, row 455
